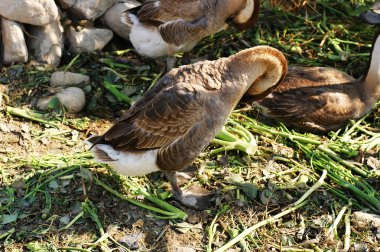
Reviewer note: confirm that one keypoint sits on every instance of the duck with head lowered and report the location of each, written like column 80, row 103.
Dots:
column 320, row 99
column 175, row 120
column 165, row 27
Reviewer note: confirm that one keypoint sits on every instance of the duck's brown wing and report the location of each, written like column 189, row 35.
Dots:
column 179, row 119
column 311, row 108
column 313, row 77
column 179, row 31
column 168, row 10
column 294, row 103
column 305, row 90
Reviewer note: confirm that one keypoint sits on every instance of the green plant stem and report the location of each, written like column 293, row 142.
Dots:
column 29, row 114
column 332, row 228
column 120, row 96
column 175, row 215
column 9, row 232
column 89, row 208
column 347, row 164
column 347, row 234
column 212, row 228
column 318, row 184
column 163, row 204
column 69, row 169
column 73, row 221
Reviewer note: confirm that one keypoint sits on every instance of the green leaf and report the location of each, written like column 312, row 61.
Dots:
column 249, row 189
column 53, row 184
column 54, row 103
column 8, row 218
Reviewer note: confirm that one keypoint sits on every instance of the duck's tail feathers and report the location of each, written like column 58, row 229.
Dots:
column 93, row 140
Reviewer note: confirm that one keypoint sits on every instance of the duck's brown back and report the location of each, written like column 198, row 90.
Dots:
column 315, row 99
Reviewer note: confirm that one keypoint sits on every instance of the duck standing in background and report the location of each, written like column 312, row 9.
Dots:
column 320, row 99
column 174, row 121
column 165, row 27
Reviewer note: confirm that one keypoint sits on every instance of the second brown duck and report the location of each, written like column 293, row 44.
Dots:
column 320, row 99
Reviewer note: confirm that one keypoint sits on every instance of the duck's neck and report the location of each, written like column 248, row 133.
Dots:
column 372, row 80
column 260, row 72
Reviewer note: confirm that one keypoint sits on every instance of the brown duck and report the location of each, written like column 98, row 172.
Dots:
column 175, row 120
column 165, row 27
column 319, row 99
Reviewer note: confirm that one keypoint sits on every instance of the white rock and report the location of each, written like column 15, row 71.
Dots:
column 72, row 98
column 34, row 12
column 113, row 18
column 88, row 39
column 14, row 46
column 373, row 219
column 46, row 42
column 91, row 9
column 64, row 79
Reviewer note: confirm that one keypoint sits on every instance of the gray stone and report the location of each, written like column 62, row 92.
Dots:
column 91, row 9
column 72, row 98
column 46, row 43
column 373, row 219
column 88, row 39
column 113, row 18
column 14, row 46
column 34, row 12
column 65, row 79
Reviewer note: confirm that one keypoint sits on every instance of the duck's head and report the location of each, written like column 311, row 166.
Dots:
column 246, row 17
column 372, row 16
column 264, row 68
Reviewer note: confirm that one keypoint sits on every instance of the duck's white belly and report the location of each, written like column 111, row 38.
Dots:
column 127, row 163
column 148, row 42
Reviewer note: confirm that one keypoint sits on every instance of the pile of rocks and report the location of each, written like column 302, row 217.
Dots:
column 39, row 29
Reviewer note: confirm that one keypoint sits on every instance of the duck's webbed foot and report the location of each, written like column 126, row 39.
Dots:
column 193, row 197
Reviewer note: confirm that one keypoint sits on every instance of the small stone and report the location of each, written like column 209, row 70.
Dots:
column 368, row 218
column 72, row 98
column 65, row 79
column 114, row 19
column 46, row 43
column 14, row 46
column 43, row 103
column 90, row 9
column 88, row 39
column 34, row 12
column 132, row 240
